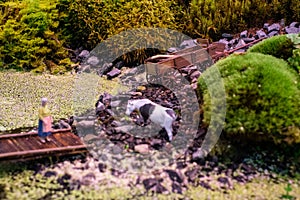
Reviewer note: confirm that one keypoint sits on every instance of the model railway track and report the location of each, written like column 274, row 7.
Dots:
column 25, row 146
column 202, row 55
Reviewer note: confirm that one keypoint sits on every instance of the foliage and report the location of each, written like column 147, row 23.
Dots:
column 20, row 95
column 211, row 18
column 29, row 37
column 278, row 46
column 282, row 46
column 98, row 20
column 262, row 98
column 294, row 61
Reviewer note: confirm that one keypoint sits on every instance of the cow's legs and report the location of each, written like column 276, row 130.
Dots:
column 168, row 127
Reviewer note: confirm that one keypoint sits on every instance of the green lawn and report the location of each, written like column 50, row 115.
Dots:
column 20, row 95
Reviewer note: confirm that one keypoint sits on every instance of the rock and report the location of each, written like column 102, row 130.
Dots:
column 292, row 30
column 90, row 137
column 113, row 73
column 244, row 34
column 172, row 50
column 156, row 143
column 88, row 179
column 93, row 60
column 266, row 25
column 50, row 174
column 116, row 150
column 174, row 176
column 115, row 103
column 192, row 174
column 273, row 33
column 154, row 185
column 106, row 67
column 115, row 123
column 205, row 185
column 141, row 88
column 273, row 27
column 240, row 43
column 176, row 188
column 63, row 124
column 195, row 75
column 102, row 167
column 86, row 124
column 119, row 64
column 142, row 148
column 84, row 54
column 124, row 129
column 188, row 44
column 248, row 40
column 223, row 180
column 99, row 107
column 64, row 180
column 261, row 34
column 227, row 36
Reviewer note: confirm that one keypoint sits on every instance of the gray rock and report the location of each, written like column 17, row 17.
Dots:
column 93, row 60
column 295, row 25
column 125, row 129
column 172, row 50
column 227, row 36
column 261, row 34
column 84, row 54
column 244, row 34
column 273, row 27
column 86, row 124
column 142, row 148
column 116, row 150
column 248, row 40
column 119, row 65
column 266, row 25
column 115, row 103
column 88, row 179
column 273, row 33
column 113, row 73
column 90, row 137
column 188, row 44
column 240, row 43
column 292, row 30
column 106, row 67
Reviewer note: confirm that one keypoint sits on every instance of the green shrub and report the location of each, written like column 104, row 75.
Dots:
column 278, row 46
column 262, row 98
column 96, row 21
column 29, row 36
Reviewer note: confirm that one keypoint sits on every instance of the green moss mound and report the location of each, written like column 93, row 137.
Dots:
column 278, row 46
column 262, row 98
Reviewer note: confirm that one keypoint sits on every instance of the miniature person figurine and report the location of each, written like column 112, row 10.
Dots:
column 45, row 122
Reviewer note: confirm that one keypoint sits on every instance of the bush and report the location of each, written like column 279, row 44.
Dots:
column 262, row 98
column 278, row 46
column 96, row 21
column 29, row 36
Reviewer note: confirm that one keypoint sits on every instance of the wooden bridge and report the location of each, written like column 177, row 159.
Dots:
column 25, row 146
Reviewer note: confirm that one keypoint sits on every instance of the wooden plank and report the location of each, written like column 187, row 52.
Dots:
column 31, row 133
column 68, row 138
column 183, row 61
column 6, row 147
column 77, row 140
column 41, row 151
column 61, row 140
column 201, row 56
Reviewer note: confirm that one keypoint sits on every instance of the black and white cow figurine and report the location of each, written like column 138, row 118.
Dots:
column 156, row 113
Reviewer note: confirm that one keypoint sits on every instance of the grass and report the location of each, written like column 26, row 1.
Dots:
column 20, row 95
